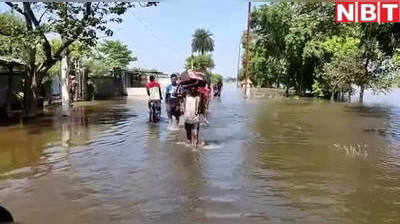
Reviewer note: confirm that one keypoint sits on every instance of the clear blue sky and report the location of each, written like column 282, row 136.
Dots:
column 160, row 37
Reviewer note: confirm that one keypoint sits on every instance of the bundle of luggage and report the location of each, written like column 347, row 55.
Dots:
column 193, row 79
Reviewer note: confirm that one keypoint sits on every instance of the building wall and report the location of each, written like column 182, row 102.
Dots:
column 16, row 87
column 105, row 87
column 3, row 89
column 141, row 91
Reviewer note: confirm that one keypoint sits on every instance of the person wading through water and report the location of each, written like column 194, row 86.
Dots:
column 192, row 104
column 205, row 97
column 218, row 89
column 155, row 97
column 172, row 101
column 192, row 115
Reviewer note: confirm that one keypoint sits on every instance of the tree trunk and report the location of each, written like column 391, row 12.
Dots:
column 32, row 105
column 50, row 93
column 362, row 88
column 333, row 95
column 287, row 91
column 277, row 82
column 246, row 88
column 64, row 85
column 349, row 96
column 84, row 85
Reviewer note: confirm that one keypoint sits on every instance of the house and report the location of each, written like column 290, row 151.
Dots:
column 118, row 82
column 12, row 73
column 135, row 81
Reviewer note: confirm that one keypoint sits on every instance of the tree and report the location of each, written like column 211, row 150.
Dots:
column 72, row 21
column 215, row 78
column 97, row 68
column 115, row 54
column 342, row 65
column 291, row 48
column 270, row 25
column 202, row 41
column 201, row 63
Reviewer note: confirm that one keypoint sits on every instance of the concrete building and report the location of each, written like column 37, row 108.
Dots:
column 12, row 72
column 135, row 82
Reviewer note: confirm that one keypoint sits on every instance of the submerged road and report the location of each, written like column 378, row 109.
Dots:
column 268, row 159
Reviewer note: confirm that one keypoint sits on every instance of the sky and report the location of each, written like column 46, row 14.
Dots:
column 160, row 37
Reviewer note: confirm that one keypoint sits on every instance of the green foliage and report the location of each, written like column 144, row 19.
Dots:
column 151, row 70
column 343, row 65
column 202, row 41
column 397, row 81
column 25, row 37
column 54, row 70
column 269, row 51
column 72, row 21
column 99, row 60
column 200, row 62
column 97, row 68
column 337, row 46
column 317, row 89
column 15, row 40
column 115, row 54
column 299, row 45
column 215, row 78
column 109, row 55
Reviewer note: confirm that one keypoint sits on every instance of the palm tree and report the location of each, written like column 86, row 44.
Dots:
column 202, row 41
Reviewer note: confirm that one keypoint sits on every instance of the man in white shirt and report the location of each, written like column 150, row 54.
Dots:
column 155, row 97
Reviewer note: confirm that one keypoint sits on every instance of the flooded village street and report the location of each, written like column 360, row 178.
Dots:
column 267, row 160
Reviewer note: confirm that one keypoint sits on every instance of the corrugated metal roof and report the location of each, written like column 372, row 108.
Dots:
column 8, row 60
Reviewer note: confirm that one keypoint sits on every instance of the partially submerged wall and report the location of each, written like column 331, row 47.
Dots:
column 15, row 89
column 141, row 91
column 107, row 87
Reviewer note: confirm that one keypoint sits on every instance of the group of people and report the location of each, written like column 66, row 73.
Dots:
column 188, row 97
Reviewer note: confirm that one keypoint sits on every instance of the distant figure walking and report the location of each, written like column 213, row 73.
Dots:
column 205, row 97
column 218, row 89
column 5, row 216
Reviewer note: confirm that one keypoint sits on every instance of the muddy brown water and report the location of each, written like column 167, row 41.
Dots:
column 267, row 159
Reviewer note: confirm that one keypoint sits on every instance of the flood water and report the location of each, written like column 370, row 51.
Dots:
column 266, row 160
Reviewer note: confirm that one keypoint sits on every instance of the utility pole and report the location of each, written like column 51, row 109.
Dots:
column 246, row 86
column 64, row 69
